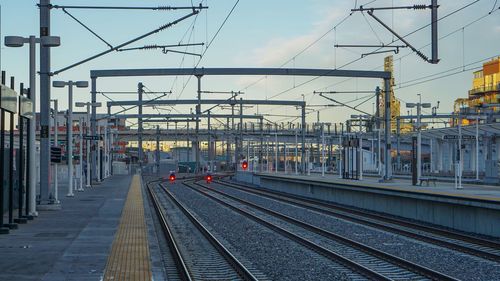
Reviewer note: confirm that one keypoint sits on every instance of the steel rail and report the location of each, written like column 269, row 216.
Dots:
column 334, row 209
column 413, row 267
column 356, row 267
column 243, row 272
column 174, row 249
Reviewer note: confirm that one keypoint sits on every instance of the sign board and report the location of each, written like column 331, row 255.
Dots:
column 8, row 99
column 26, row 107
column 456, row 137
column 91, row 137
column 55, row 154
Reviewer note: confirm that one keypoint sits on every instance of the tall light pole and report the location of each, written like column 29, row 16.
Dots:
column 88, row 105
column 69, row 128
column 418, row 127
column 56, row 132
column 46, row 41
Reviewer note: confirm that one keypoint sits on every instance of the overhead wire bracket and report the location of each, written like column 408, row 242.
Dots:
column 434, row 31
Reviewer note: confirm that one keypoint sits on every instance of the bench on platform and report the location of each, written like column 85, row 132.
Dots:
column 427, row 180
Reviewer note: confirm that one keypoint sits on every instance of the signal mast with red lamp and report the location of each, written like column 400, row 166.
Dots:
column 244, row 165
column 172, row 177
column 208, row 178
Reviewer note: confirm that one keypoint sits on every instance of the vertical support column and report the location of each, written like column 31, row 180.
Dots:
column 241, row 128
column 228, row 144
column 45, row 194
column 56, row 143
column 88, row 143
column 140, row 91
column 276, row 147
column 209, row 144
column 157, row 149
column 388, row 160
column 93, row 125
column 198, row 112
column 20, row 172
column 261, row 161
column 398, row 143
column 80, row 154
column 69, row 140
column 434, row 32
column 303, row 148
column 477, row 147
column 3, row 228
column 12, row 225
column 31, row 169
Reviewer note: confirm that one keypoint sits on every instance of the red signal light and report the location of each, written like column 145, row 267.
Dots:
column 208, row 178
column 244, row 165
column 172, row 177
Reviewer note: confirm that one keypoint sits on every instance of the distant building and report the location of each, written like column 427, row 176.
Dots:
column 484, row 92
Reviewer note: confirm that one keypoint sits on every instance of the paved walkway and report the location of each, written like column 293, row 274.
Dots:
column 70, row 244
column 483, row 192
column 129, row 258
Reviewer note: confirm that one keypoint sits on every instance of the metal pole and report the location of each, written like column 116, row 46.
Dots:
column 398, row 143
column 12, row 225
column 80, row 153
column 267, row 155
column 21, row 186
column 241, row 127
column 70, row 140
column 157, row 149
column 340, row 157
column 460, row 160
column 322, row 150
column 93, row 123
column 296, row 152
column 419, row 142
column 198, row 112
column 388, row 166
column 140, row 152
column 31, row 170
column 360, row 157
column 261, row 161
column 99, row 176
column 88, row 145
column 303, row 139
column 45, row 196
column 209, row 143
column 477, row 147
column 56, row 135
column 276, row 152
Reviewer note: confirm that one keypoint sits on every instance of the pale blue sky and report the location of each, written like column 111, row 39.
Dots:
column 260, row 33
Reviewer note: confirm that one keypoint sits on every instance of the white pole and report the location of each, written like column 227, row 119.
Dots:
column 419, row 144
column 430, row 154
column 111, row 141
column 276, row 152
column 80, row 154
column 88, row 145
column 32, row 149
column 284, row 153
column 340, row 157
column 70, row 140
column 379, row 159
column 99, row 154
column 308, row 166
column 296, row 153
column 460, row 161
column 322, row 150
column 56, row 181
column 360, row 157
column 477, row 147
column 267, row 155
column 106, row 150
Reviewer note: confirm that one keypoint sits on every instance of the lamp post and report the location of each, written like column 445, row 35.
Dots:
column 69, row 128
column 88, row 105
column 46, row 41
column 56, row 181
column 418, row 126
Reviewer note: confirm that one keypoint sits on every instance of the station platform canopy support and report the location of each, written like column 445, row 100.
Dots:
column 200, row 72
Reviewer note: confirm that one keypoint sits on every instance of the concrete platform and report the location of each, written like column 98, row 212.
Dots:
column 69, row 244
column 474, row 209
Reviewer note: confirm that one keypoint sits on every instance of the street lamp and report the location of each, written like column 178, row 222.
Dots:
column 418, row 126
column 46, row 41
column 62, row 84
column 88, row 105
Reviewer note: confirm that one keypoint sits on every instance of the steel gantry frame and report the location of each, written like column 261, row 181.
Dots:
column 200, row 72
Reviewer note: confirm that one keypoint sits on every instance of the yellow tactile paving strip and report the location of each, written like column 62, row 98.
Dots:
column 129, row 258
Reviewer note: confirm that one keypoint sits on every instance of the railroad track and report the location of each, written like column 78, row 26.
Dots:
column 198, row 255
column 479, row 247
column 367, row 261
